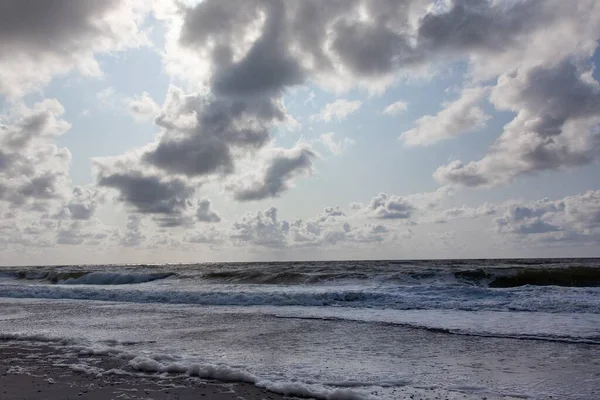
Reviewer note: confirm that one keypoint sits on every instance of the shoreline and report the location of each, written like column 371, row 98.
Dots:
column 33, row 370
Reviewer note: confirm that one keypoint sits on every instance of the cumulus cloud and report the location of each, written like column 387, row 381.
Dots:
column 83, row 203
column 91, row 233
column 42, row 39
column 167, row 199
column 33, row 170
column 336, row 147
column 374, row 41
column 413, row 208
column 276, row 174
column 458, row 117
column 331, row 228
column 262, row 228
column 553, row 128
column 203, row 135
column 246, row 56
column 453, row 213
column 205, row 213
column 210, row 235
column 142, row 107
column 396, row 108
column 338, row 110
column 133, row 235
column 331, row 213
column 239, row 59
column 390, row 207
column 367, row 43
column 573, row 217
column 201, row 132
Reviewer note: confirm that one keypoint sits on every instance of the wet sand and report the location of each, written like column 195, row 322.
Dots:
column 32, row 371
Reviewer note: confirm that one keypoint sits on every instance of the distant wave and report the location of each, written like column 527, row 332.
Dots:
column 269, row 277
column 471, row 273
column 86, row 277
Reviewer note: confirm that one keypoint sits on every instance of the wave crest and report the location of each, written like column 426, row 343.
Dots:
column 86, row 277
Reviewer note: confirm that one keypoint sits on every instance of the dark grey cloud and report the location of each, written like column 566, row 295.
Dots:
column 211, row 129
column 298, row 40
column 168, row 200
column 191, row 156
column 372, row 50
column 205, row 213
column 480, row 25
column 50, row 23
column 267, row 67
column 282, row 167
column 39, row 39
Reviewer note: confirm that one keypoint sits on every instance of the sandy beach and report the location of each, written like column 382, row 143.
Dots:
column 31, row 371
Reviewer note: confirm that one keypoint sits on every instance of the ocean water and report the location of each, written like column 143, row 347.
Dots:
column 494, row 329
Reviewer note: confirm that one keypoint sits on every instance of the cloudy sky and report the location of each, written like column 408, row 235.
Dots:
column 184, row 131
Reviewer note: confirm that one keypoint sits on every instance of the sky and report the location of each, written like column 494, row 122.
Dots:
column 136, row 131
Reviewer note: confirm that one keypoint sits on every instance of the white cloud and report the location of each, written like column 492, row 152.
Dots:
column 337, row 111
column 142, row 107
column 574, row 218
column 109, row 97
column 336, row 147
column 310, row 99
column 396, row 108
column 458, row 117
column 553, row 128
column 33, row 170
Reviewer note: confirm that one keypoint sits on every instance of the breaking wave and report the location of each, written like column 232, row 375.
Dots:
column 504, row 277
column 481, row 273
column 514, row 277
column 578, row 300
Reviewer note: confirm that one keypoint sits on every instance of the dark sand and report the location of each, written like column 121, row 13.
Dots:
column 35, row 371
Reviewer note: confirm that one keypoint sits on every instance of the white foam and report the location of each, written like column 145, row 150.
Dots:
column 304, row 390
column 205, row 371
column 228, row 374
column 561, row 327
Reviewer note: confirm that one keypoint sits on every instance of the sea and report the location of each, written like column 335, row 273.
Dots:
column 438, row 329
